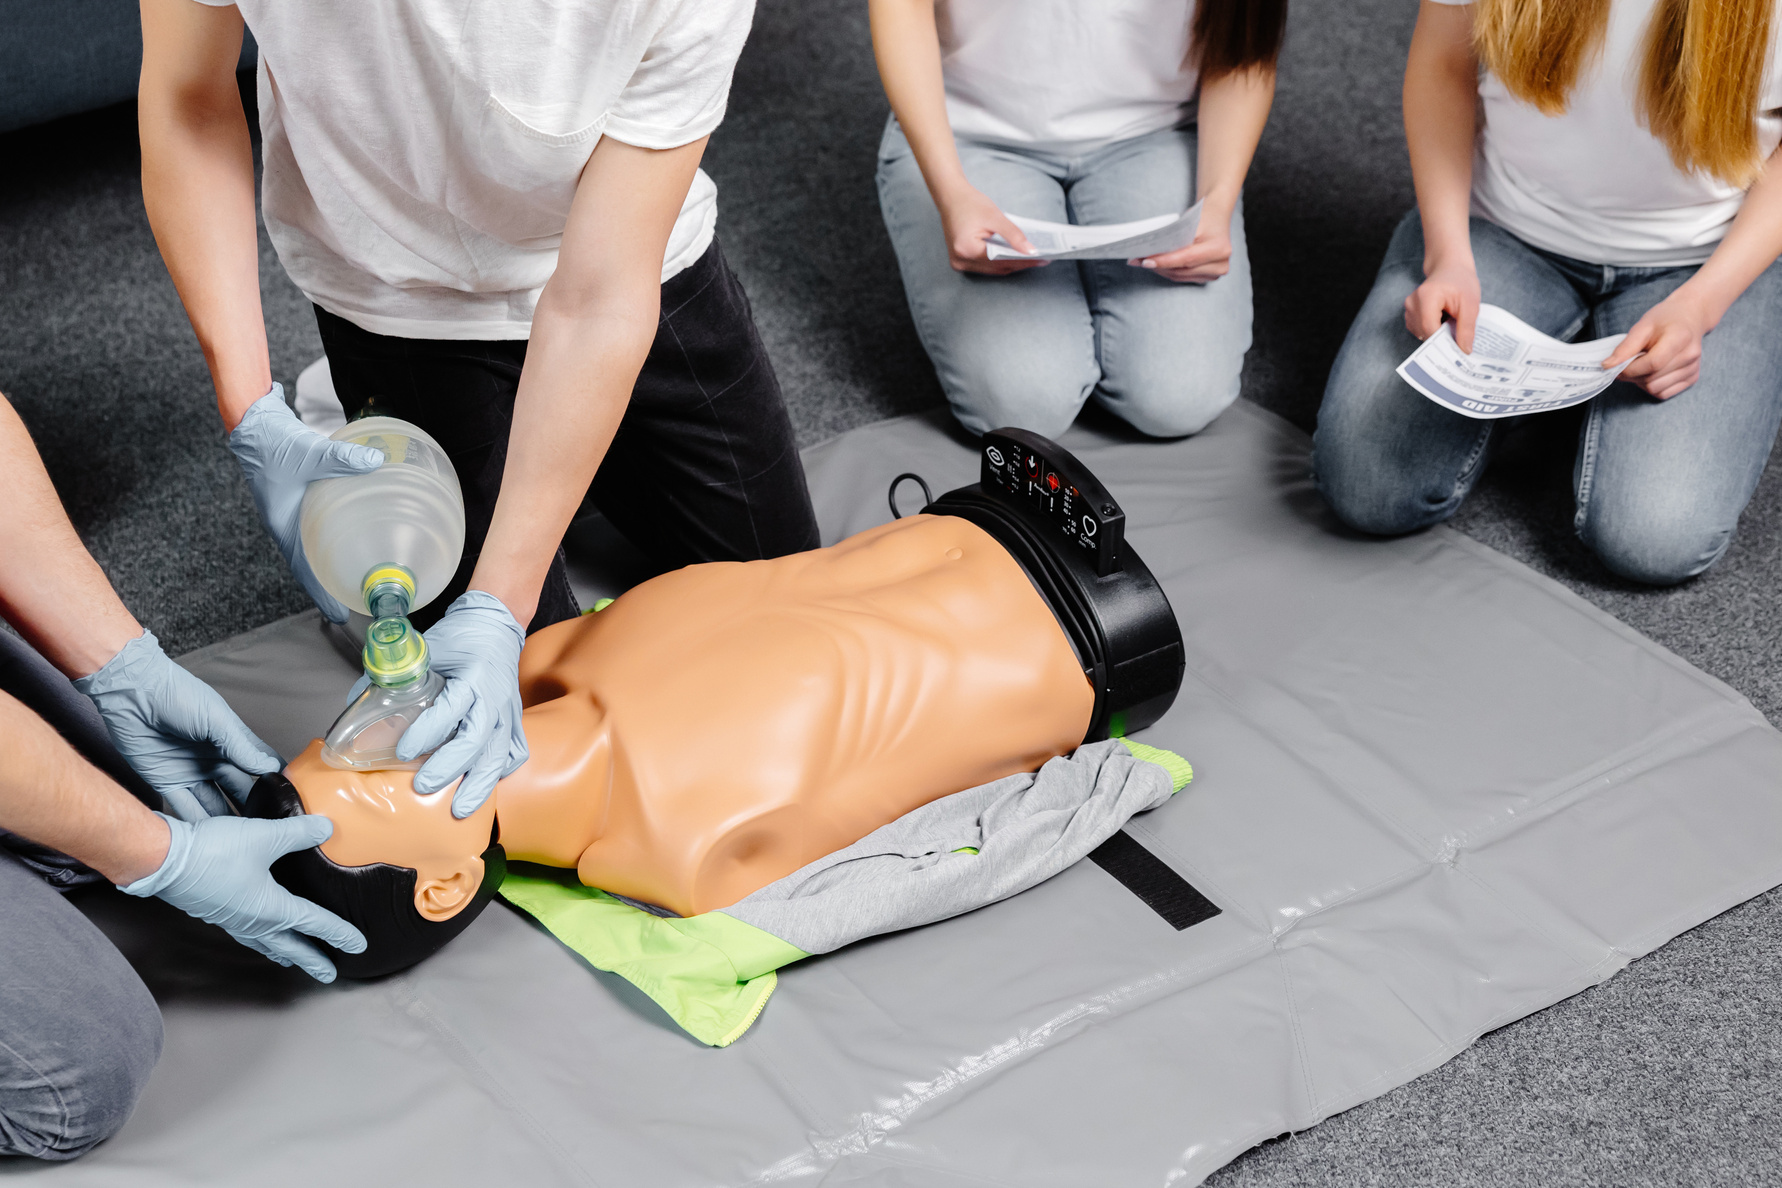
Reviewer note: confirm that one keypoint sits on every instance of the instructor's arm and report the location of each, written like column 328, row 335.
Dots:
column 51, row 795
column 51, row 590
column 591, row 331
column 198, row 186
column 217, row 868
column 593, row 327
column 170, row 726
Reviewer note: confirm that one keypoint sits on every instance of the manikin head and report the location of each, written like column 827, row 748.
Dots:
column 399, row 867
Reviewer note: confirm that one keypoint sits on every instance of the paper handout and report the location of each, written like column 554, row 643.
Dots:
column 1514, row 369
column 1104, row 241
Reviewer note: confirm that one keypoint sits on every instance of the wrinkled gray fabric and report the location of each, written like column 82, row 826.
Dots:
column 1434, row 792
column 1025, row 829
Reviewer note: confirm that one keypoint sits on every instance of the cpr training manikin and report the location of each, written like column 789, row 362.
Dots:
column 772, row 757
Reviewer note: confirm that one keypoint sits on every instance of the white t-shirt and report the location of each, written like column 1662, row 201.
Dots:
column 1065, row 75
column 1594, row 183
column 420, row 156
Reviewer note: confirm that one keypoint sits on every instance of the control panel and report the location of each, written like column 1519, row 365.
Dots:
column 1037, row 475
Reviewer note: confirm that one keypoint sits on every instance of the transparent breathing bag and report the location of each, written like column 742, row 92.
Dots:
column 409, row 512
column 385, row 544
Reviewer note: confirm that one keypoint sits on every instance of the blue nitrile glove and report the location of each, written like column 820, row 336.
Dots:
column 219, row 871
column 476, row 647
column 281, row 456
column 176, row 731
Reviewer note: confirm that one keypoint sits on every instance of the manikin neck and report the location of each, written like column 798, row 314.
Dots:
column 555, row 806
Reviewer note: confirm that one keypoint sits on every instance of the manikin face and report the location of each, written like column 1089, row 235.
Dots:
column 378, row 817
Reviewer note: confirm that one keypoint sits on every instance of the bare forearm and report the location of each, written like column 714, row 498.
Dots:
column 1233, row 111
column 1751, row 245
column 51, row 795
column 906, row 45
column 592, row 329
column 198, row 188
column 51, row 589
column 580, row 369
column 1440, row 97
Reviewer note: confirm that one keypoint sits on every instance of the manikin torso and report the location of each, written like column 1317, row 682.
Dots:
column 721, row 726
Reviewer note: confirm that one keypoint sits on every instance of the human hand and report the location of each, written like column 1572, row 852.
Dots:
column 1206, row 259
column 476, row 647
column 219, row 870
column 968, row 220
column 281, row 456
column 1670, row 335
column 1448, row 290
column 175, row 730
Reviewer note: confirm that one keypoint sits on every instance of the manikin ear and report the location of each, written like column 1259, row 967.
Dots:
column 442, row 898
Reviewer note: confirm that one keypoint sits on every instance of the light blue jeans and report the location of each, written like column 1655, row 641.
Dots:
column 1027, row 350
column 1658, row 485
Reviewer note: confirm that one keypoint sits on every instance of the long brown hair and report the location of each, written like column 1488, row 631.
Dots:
column 1701, row 73
column 1232, row 35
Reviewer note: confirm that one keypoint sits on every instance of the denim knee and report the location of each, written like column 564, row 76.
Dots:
column 989, row 398
column 1368, row 498
column 63, row 1099
column 1386, row 459
column 1372, row 492
column 1660, row 542
column 1177, row 405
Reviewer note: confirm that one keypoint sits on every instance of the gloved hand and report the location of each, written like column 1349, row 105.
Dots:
column 176, row 731
column 281, row 456
column 219, row 871
column 476, row 647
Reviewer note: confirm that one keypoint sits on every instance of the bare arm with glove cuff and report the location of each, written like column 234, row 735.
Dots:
column 280, row 456
column 178, row 734
column 217, row 869
column 476, row 647
column 176, row 731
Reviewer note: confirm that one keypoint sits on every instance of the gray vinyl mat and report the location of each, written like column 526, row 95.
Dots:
column 1434, row 792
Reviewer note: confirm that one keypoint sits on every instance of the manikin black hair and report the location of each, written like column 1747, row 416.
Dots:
column 379, row 900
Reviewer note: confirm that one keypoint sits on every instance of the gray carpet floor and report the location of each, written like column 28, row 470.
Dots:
column 1669, row 1074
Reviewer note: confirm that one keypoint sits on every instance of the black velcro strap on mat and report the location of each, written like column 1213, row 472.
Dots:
column 1150, row 878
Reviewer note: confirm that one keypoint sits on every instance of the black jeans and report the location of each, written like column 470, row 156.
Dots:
column 704, row 466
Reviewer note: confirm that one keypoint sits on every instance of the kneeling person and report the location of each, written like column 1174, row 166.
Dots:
column 100, row 729
column 498, row 213
column 1623, row 181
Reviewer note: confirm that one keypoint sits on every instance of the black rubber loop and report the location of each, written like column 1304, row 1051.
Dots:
column 1153, row 881
column 891, row 495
